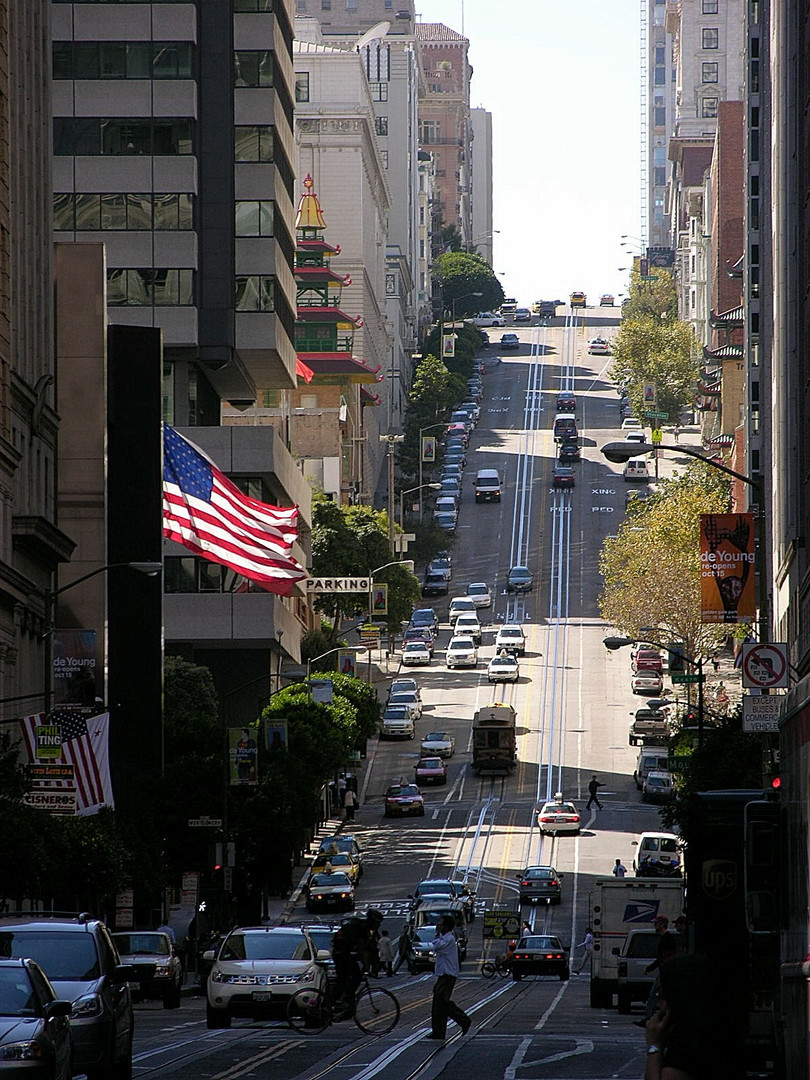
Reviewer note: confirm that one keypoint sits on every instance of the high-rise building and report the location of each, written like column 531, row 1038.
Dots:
column 658, row 122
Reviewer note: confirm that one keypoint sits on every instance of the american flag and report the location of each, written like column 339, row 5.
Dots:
column 85, row 746
column 207, row 513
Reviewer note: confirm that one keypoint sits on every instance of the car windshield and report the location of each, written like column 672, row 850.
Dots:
column 261, row 946
column 407, row 790
column 416, row 646
column 16, row 994
column 132, row 944
column 62, row 956
column 334, row 860
column 326, row 881
column 508, row 632
column 655, row 843
column 519, row 572
column 425, row 934
column 435, row 736
column 539, row 943
column 432, row 888
column 461, row 644
column 321, row 936
column 334, row 844
column 430, row 763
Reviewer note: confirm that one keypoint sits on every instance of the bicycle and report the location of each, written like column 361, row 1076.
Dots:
column 500, row 965
column 375, row 1010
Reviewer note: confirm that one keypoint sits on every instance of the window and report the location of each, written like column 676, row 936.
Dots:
column 131, row 211
column 150, row 287
column 381, row 125
column 254, row 218
column 709, row 106
column 309, row 401
column 302, row 86
column 270, row 399
column 709, row 7
column 660, row 54
column 253, row 143
column 659, row 176
column 709, row 72
column 379, row 91
column 659, row 116
column 252, row 68
column 254, row 292
column 93, row 135
column 659, row 76
column 431, row 131
column 711, row 38
column 122, row 60
column 384, row 156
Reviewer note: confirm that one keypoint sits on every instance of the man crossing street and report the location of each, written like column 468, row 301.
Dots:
column 593, row 791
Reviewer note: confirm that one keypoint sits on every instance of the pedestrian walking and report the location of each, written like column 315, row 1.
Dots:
column 619, row 870
column 350, row 804
column 593, row 791
column 667, row 948
column 385, row 950
column 447, row 970
column 526, row 929
column 404, row 950
column 716, row 662
column 587, row 945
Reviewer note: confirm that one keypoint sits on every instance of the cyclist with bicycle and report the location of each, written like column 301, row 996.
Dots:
column 352, row 947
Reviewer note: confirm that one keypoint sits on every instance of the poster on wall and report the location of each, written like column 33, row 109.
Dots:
column 727, row 579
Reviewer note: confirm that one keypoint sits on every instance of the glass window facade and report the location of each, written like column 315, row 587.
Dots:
column 90, row 136
column 253, row 143
column 255, row 292
column 122, row 59
column 74, row 212
column 170, row 287
column 254, row 218
column 252, row 68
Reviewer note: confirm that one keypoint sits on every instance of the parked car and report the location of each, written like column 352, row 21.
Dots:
column 397, row 721
column 35, row 1038
column 519, row 579
column 438, row 742
column 488, row 318
column 657, row 787
column 510, row 341
column 258, row 969
column 402, row 798
column 80, row 959
column 441, row 565
column 461, row 652
column 445, row 504
column 411, row 699
column 510, row 638
column 558, row 816
column 155, row 948
column 540, row 883
column 430, row 770
column 658, row 854
column 446, row 520
column 503, row 668
column 435, row 584
column 538, row 954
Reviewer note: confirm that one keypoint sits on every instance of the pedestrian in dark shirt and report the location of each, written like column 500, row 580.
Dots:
column 593, row 791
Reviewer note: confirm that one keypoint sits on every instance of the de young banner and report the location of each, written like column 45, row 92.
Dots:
column 727, row 579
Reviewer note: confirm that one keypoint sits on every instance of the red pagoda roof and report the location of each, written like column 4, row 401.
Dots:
column 320, row 275
column 338, row 363
column 317, row 245
column 324, row 314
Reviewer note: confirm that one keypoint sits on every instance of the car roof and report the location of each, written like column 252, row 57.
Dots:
column 511, row 628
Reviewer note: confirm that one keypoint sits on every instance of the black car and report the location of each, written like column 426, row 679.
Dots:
column 569, row 451
column 519, row 580
column 435, row 584
column 540, row 883
column 540, row 954
column 35, row 1036
column 510, row 341
column 563, row 477
column 81, row 961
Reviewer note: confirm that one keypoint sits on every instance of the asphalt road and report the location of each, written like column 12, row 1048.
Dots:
column 573, row 702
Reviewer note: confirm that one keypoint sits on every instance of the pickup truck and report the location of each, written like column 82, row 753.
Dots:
column 648, row 725
column 635, row 956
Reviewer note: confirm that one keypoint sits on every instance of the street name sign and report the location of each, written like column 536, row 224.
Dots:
column 338, row 584
column 655, row 415
column 197, row 822
column 687, row 677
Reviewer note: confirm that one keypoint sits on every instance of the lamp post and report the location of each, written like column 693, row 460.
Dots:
column 150, row 569
column 329, row 652
column 407, row 491
column 620, row 452
column 430, row 427
column 464, row 296
column 391, row 440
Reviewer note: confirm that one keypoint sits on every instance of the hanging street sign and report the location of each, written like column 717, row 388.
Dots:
column 338, row 584
column 687, row 677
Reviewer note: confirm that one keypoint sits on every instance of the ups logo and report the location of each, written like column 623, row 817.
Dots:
column 719, row 878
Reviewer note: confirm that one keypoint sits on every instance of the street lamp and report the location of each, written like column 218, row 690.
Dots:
column 329, row 652
column 620, row 452
column 391, row 440
column 464, row 296
column 430, row 427
column 407, row 491
column 150, row 569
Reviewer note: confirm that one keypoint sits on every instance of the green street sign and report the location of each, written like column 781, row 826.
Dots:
column 656, row 415
column 687, row 677
column 677, row 764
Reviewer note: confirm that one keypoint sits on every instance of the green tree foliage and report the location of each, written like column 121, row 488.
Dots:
column 652, row 297
column 461, row 274
column 434, row 393
column 647, row 349
column 651, row 570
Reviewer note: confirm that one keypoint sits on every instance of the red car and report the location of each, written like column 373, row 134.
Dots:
column 648, row 660
column 402, row 798
column 430, row 770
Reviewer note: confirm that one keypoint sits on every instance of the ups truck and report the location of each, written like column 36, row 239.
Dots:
column 617, row 906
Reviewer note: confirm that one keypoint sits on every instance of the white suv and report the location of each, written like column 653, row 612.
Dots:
column 258, row 969
column 511, row 638
column 461, row 652
column 488, row 318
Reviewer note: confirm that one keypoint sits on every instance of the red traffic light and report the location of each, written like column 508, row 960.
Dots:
column 776, row 783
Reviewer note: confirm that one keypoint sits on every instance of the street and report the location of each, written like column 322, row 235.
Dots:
column 573, row 702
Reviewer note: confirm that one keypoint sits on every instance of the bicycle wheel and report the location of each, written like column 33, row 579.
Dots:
column 504, row 970
column 376, row 1011
column 309, row 1011
column 488, row 969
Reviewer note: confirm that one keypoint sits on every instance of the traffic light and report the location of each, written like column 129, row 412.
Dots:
column 676, row 657
column 218, row 856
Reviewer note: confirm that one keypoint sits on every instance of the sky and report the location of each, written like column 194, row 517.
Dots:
column 562, row 81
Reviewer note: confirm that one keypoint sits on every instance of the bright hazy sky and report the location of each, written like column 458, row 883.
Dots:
column 561, row 79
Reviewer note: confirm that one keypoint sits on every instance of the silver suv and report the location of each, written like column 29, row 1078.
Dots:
column 79, row 957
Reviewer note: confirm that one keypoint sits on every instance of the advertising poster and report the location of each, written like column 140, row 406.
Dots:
column 74, row 667
column 379, row 600
column 428, row 448
column 448, row 344
column 727, row 579
column 346, row 662
column 243, row 757
column 275, row 734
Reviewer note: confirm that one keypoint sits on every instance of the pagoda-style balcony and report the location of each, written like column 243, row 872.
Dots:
column 318, row 344
column 317, row 301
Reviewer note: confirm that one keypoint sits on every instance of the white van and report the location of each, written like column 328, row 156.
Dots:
column 565, row 427
column 636, row 469
column 487, row 486
column 650, row 759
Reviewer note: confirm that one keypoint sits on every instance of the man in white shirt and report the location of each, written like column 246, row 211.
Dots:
column 447, row 970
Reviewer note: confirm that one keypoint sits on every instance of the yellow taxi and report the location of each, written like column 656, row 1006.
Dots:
column 578, row 299
column 337, row 862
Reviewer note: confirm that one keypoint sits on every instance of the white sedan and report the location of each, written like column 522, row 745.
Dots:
column 488, row 318
column 647, row 682
column 558, row 817
column 599, row 347
column 479, row 591
column 503, row 668
column 415, row 652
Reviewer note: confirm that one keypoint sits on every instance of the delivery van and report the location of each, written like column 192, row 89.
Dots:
column 565, row 427
column 487, row 486
column 636, row 468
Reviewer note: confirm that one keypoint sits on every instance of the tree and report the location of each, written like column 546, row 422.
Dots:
column 434, row 392
column 651, row 569
column 647, row 350
column 461, row 274
column 652, row 297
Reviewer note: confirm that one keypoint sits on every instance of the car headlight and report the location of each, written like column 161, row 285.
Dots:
column 86, row 1006
column 308, row 976
column 162, row 968
column 218, row 976
column 22, row 1051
